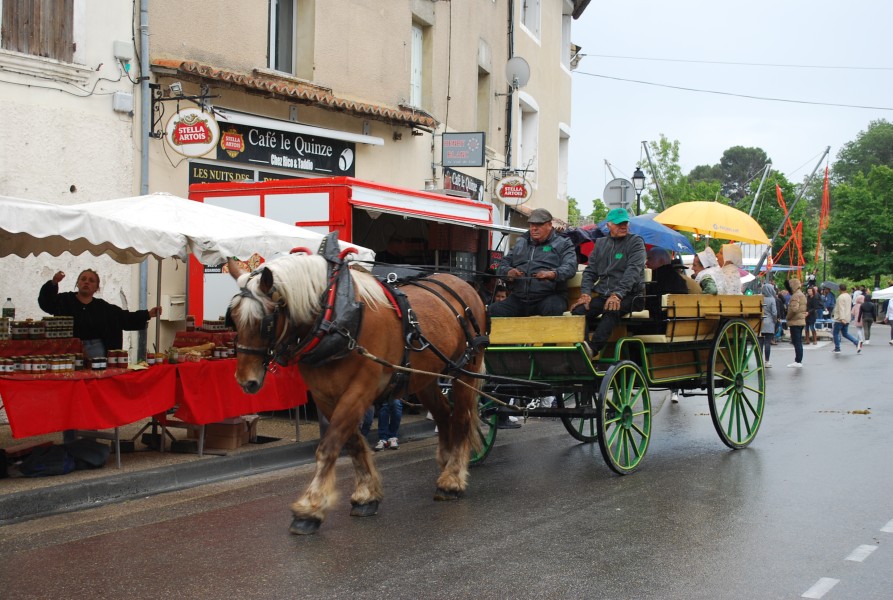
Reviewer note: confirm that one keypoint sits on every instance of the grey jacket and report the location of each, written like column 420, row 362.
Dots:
column 770, row 309
column 557, row 254
column 615, row 266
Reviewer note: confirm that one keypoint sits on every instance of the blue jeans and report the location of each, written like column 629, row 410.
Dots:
column 797, row 341
column 389, row 416
column 841, row 329
column 388, row 424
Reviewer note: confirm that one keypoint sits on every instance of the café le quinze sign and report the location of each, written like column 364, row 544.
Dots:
column 192, row 132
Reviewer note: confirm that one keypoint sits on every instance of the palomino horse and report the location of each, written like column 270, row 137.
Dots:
column 281, row 301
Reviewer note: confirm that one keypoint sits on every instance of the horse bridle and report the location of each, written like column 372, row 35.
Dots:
column 267, row 329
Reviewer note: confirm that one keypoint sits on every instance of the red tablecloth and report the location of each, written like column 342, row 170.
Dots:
column 40, row 347
column 207, row 392
column 86, row 399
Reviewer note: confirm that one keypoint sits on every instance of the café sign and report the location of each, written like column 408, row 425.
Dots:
column 513, row 190
column 192, row 132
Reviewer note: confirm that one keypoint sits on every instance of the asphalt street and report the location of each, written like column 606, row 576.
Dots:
column 805, row 511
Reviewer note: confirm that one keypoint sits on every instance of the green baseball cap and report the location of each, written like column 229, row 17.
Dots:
column 618, row 216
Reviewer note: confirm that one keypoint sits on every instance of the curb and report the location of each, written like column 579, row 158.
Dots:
column 119, row 488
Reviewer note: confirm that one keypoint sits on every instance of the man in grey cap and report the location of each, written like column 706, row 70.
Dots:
column 612, row 277
column 539, row 264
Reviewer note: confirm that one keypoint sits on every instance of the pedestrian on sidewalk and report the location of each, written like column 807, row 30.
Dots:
column 841, row 317
column 770, row 318
column 796, row 318
column 856, row 312
column 888, row 317
column 868, row 316
column 815, row 309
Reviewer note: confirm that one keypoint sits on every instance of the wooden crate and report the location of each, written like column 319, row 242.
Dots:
column 537, row 330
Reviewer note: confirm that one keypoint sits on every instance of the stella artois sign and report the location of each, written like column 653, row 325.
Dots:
column 513, row 190
column 192, row 132
column 232, row 142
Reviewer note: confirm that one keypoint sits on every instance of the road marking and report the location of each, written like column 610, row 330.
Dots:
column 821, row 587
column 861, row 553
column 888, row 528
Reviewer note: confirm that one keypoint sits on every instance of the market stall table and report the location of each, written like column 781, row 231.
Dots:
column 86, row 400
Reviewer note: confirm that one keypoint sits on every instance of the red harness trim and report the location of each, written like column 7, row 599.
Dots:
column 391, row 298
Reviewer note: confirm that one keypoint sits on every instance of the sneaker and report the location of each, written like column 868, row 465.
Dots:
column 859, row 347
column 381, row 445
column 836, row 351
column 674, row 398
column 767, row 364
column 505, row 423
column 891, row 342
column 867, row 342
column 795, row 365
column 393, row 444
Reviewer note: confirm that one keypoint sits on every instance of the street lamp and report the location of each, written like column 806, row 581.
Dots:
column 639, row 184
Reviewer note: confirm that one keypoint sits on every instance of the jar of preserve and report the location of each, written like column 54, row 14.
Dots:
column 150, row 358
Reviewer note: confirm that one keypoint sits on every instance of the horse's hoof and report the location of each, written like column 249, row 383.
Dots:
column 368, row 509
column 448, row 495
column 306, row 526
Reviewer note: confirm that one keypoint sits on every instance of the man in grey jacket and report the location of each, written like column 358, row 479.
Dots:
column 540, row 263
column 612, row 277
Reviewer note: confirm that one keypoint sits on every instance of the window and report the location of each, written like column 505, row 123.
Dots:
column 530, row 16
column 41, row 28
column 282, row 35
column 416, row 61
column 528, row 135
column 564, row 138
column 567, row 47
column 483, row 101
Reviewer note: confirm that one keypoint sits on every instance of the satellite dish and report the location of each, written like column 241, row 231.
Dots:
column 517, row 71
column 619, row 193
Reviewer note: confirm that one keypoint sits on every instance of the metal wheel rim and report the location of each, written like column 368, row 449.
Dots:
column 486, row 429
column 583, row 429
column 737, row 384
column 625, row 417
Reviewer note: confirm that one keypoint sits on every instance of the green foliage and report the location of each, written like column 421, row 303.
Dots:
column 874, row 146
column 573, row 211
column 860, row 234
column 739, row 167
column 599, row 211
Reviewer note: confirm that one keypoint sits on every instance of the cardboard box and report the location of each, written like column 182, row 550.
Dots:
column 230, row 434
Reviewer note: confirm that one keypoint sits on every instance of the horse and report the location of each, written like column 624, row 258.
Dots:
column 277, row 307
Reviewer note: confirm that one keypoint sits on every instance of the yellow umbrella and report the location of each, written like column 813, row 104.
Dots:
column 713, row 219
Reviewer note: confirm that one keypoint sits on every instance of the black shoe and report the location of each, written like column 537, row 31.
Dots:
column 505, row 423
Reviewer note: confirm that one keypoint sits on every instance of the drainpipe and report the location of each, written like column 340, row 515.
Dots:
column 145, row 129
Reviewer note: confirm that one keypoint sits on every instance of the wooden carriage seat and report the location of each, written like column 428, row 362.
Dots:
column 573, row 293
column 692, row 317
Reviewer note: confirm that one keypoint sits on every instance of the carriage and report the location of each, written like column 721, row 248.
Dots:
column 693, row 345
column 357, row 340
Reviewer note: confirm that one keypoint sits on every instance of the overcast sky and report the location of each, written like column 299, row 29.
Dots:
column 682, row 43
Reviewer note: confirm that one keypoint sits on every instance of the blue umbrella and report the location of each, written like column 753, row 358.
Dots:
column 655, row 234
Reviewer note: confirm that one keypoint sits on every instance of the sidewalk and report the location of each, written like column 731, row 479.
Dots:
column 145, row 472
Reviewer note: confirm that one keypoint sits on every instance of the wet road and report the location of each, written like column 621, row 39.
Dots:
column 803, row 511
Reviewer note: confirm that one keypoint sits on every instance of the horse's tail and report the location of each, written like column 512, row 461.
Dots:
column 475, row 441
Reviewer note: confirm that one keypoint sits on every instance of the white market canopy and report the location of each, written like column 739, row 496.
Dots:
column 159, row 225
column 884, row 294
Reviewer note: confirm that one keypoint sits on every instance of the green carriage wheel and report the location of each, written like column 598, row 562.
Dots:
column 624, row 417
column 736, row 386
column 486, row 427
column 584, row 429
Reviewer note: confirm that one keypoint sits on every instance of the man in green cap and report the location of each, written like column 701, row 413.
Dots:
column 612, row 277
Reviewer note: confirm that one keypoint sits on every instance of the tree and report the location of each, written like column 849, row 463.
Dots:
column 599, row 211
column 705, row 173
column 739, row 166
column 573, row 211
column 860, row 232
column 874, row 146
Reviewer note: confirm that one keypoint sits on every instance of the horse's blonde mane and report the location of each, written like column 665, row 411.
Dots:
column 301, row 280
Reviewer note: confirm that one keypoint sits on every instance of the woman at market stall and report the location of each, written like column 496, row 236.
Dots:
column 98, row 324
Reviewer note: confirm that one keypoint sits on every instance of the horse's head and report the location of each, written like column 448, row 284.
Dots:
column 257, row 313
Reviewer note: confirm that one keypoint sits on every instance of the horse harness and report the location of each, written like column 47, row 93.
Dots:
column 336, row 329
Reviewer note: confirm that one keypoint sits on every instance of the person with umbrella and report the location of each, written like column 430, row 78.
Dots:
column 612, row 277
